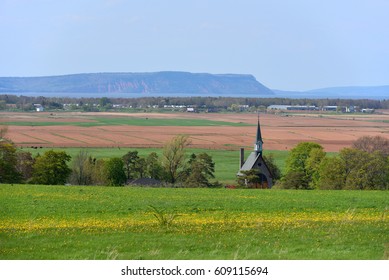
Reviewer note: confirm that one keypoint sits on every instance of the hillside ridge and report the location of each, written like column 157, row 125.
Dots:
column 127, row 82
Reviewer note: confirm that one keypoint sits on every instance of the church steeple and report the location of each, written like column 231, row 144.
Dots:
column 258, row 141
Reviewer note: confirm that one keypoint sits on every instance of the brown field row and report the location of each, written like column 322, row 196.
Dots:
column 333, row 132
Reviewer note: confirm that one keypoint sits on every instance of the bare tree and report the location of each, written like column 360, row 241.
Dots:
column 372, row 144
column 174, row 156
column 3, row 131
column 81, row 173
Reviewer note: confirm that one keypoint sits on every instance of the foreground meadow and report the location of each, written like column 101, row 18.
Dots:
column 47, row 222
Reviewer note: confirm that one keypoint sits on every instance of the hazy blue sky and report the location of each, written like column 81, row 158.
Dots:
column 290, row 45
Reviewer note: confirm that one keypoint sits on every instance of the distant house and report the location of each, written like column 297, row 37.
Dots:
column 190, row 110
column 332, row 108
column 39, row 107
column 256, row 161
column 367, row 110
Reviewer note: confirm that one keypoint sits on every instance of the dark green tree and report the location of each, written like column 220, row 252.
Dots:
column 250, row 178
column 140, row 168
column 274, row 169
column 24, row 165
column 201, row 169
column 8, row 163
column 115, row 172
column 51, row 168
column 295, row 180
column 153, row 167
column 131, row 164
column 105, row 103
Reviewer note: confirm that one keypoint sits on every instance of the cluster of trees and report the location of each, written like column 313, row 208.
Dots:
column 364, row 166
column 222, row 103
column 173, row 168
column 53, row 168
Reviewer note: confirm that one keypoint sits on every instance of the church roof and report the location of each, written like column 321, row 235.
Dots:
column 250, row 162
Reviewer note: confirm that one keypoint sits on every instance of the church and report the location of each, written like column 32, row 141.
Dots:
column 256, row 161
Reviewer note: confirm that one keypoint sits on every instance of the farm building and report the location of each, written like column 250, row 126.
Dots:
column 39, row 107
column 292, row 108
column 256, row 161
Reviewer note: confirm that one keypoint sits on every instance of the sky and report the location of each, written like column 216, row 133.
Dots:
column 285, row 44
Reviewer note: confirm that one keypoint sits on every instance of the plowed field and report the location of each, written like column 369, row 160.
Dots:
column 211, row 131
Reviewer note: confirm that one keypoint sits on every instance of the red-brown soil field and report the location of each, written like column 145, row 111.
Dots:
column 279, row 132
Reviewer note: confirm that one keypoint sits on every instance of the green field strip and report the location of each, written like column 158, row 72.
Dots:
column 117, row 121
column 28, row 123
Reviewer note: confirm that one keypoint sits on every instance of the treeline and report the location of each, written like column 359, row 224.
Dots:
column 52, row 168
column 26, row 103
column 364, row 166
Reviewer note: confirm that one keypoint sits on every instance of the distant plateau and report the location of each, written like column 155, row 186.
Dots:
column 170, row 83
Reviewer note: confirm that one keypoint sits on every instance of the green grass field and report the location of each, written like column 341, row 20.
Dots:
column 58, row 222
column 112, row 121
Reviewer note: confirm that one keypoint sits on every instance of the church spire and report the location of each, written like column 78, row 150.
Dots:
column 258, row 140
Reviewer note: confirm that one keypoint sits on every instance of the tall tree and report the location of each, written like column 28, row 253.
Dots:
column 130, row 164
column 115, row 172
column 99, row 171
column 153, row 167
column 201, row 170
column 332, row 174
column 301, row 164
column 81, row 171
column 316, row 156
column 364, row 170
column 372, row 144
column 173, row 159
column 25, row 163
column 8, row 163
column 51, row 168
column 140, row 167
